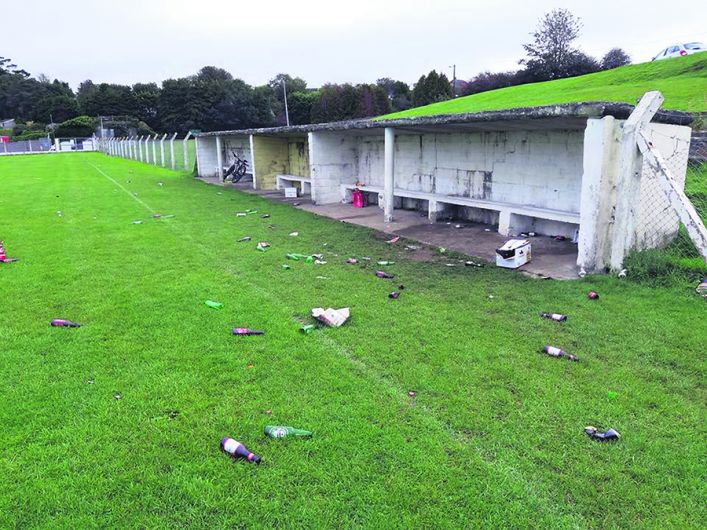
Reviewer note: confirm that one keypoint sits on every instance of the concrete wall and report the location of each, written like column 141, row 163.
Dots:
column 206, row 157
column 279, row 155
column 333, row 161
column 241, row 146
column 298, row 157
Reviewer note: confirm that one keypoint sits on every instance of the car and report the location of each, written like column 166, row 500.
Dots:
column 678, row 50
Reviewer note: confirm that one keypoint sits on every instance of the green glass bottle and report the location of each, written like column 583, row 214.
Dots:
column 213, row 304
column 281, row 431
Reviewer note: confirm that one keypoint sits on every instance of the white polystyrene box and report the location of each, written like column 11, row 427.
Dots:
column 513, row 254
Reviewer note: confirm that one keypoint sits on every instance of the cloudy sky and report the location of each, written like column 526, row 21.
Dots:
column 321, row 41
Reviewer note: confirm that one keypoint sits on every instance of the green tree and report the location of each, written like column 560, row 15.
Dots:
column 81, row 126
column 431, row 88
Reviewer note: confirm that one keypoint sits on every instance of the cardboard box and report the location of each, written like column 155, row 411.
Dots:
column 513, row 254
column 290, row 193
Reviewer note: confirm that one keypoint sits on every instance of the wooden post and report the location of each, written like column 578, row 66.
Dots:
column 628, row 185
column 389, row 175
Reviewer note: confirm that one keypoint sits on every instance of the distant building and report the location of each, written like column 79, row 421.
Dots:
column 7, row 124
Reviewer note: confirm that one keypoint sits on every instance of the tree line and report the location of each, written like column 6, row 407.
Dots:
column 212, row 99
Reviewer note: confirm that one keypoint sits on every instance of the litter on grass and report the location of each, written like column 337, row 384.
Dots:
column 62, row 323
column 394, row 295
column 352, row 261
column 394, row 240
column 244, row 239
column 384, row 262
column 307, row 328
column 701, row 289
column 385, row 275
column 246, row 331
column 319, row 262
column 557, row 317
column 331, row 317
column 137, row 222
column 265, row 216
column 592, row 295
column 237, row 450
column 294, row 234
column 411, row 247
column 553, row 351
column 281, row 431
column 262, row 246
column 213, row 304
column 609, row 435
column 286, row 266
column 241, row 214
column 321, row 277
column 3, row 255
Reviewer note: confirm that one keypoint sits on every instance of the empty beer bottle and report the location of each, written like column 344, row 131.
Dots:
column 385, row 275
column 557, row 352
column 213, row 304
column 238, row 450
column 281, row 431
column 246, row 331
column 592, row 295
column 394, row 295
column 61, row 323
column 554, row 316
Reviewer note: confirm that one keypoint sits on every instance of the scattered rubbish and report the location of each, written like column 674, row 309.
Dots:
column 156, row 215
column 487, row 229
column 366, row 258
column 385, row 275
column 383, row 262
column 357, row 199
column 243, row 239
column 307, row 328
column 394, row 240
column 117, row 395
column 442, row 250
column 331, row 317
column 294, row 234
column 281, row 431
column 262, row 246
column 592, row 295
column 265, row 216
column 451, row 265
column 412, row 393
column 168, row 216
column 309, row 259
column 238, row 450
column 160, row 183
column 473, row 264
column 246, row 331
column 251, row 211
column 560, row 238
column 491, row 296
column 137, row 222
column 296, row 203
column 319, row 262
column 3, row 255
column 90, row 381
column 411, row 247
column 513, row 254
column 557, row 317
column 290, row 193
column 701, row 289
column 59, row 213
column 582, row 273
column 352, row 261
column 241, row 214
column 622, row 273
column 286, row 266
column 608, row 436
column 318, row 256
column 212, row 304
column 557, row 352
column 268, row 412
column 394, row 295
column 321, row 277
column 457, row 226
column 61, row 323
column 531, row 234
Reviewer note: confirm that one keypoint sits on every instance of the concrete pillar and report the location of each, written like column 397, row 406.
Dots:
column 184, row 149
column 252, row 159
column 598, row 196
column 171, row 152
column 162, row 149
column 504, row 222
column 219, row 158
column 389, row 175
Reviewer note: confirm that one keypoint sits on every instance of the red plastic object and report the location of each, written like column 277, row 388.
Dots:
column 357, row 197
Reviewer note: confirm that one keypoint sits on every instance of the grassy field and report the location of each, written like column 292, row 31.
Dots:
column 493, row 438
column 682, row 82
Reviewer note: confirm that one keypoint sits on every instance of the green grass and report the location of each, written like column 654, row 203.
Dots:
column 493, row 438
column 682, row 82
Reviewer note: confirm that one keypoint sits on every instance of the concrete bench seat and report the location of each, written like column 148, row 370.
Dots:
column 283, row 180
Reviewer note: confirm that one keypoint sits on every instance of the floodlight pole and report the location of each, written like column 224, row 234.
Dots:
column 184, row 148
column 171, row 151
column 284, row 94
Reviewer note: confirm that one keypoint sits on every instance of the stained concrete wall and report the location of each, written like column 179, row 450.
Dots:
column 206, row 157
column 241, row 146
column 333, row 161
column 278, row 155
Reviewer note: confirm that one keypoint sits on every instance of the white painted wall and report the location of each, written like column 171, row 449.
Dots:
column 207, row 157
column 333, row 160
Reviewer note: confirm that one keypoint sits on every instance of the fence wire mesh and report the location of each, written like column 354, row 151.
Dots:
column 664, row 248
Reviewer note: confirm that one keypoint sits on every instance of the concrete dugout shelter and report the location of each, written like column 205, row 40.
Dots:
column 552, row 170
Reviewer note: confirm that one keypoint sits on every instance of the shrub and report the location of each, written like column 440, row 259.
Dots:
column 81, row 127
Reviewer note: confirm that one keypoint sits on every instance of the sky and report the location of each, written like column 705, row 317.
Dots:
column 129, row 41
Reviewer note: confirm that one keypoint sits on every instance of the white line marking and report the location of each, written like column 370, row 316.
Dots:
column 143, row 203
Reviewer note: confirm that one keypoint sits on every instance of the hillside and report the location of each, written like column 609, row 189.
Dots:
column 683, row 82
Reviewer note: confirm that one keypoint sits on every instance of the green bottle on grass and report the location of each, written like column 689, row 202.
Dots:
column 281, row 431
column 213, row 304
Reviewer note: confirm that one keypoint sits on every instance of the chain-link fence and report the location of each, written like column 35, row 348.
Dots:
column 665, row 250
